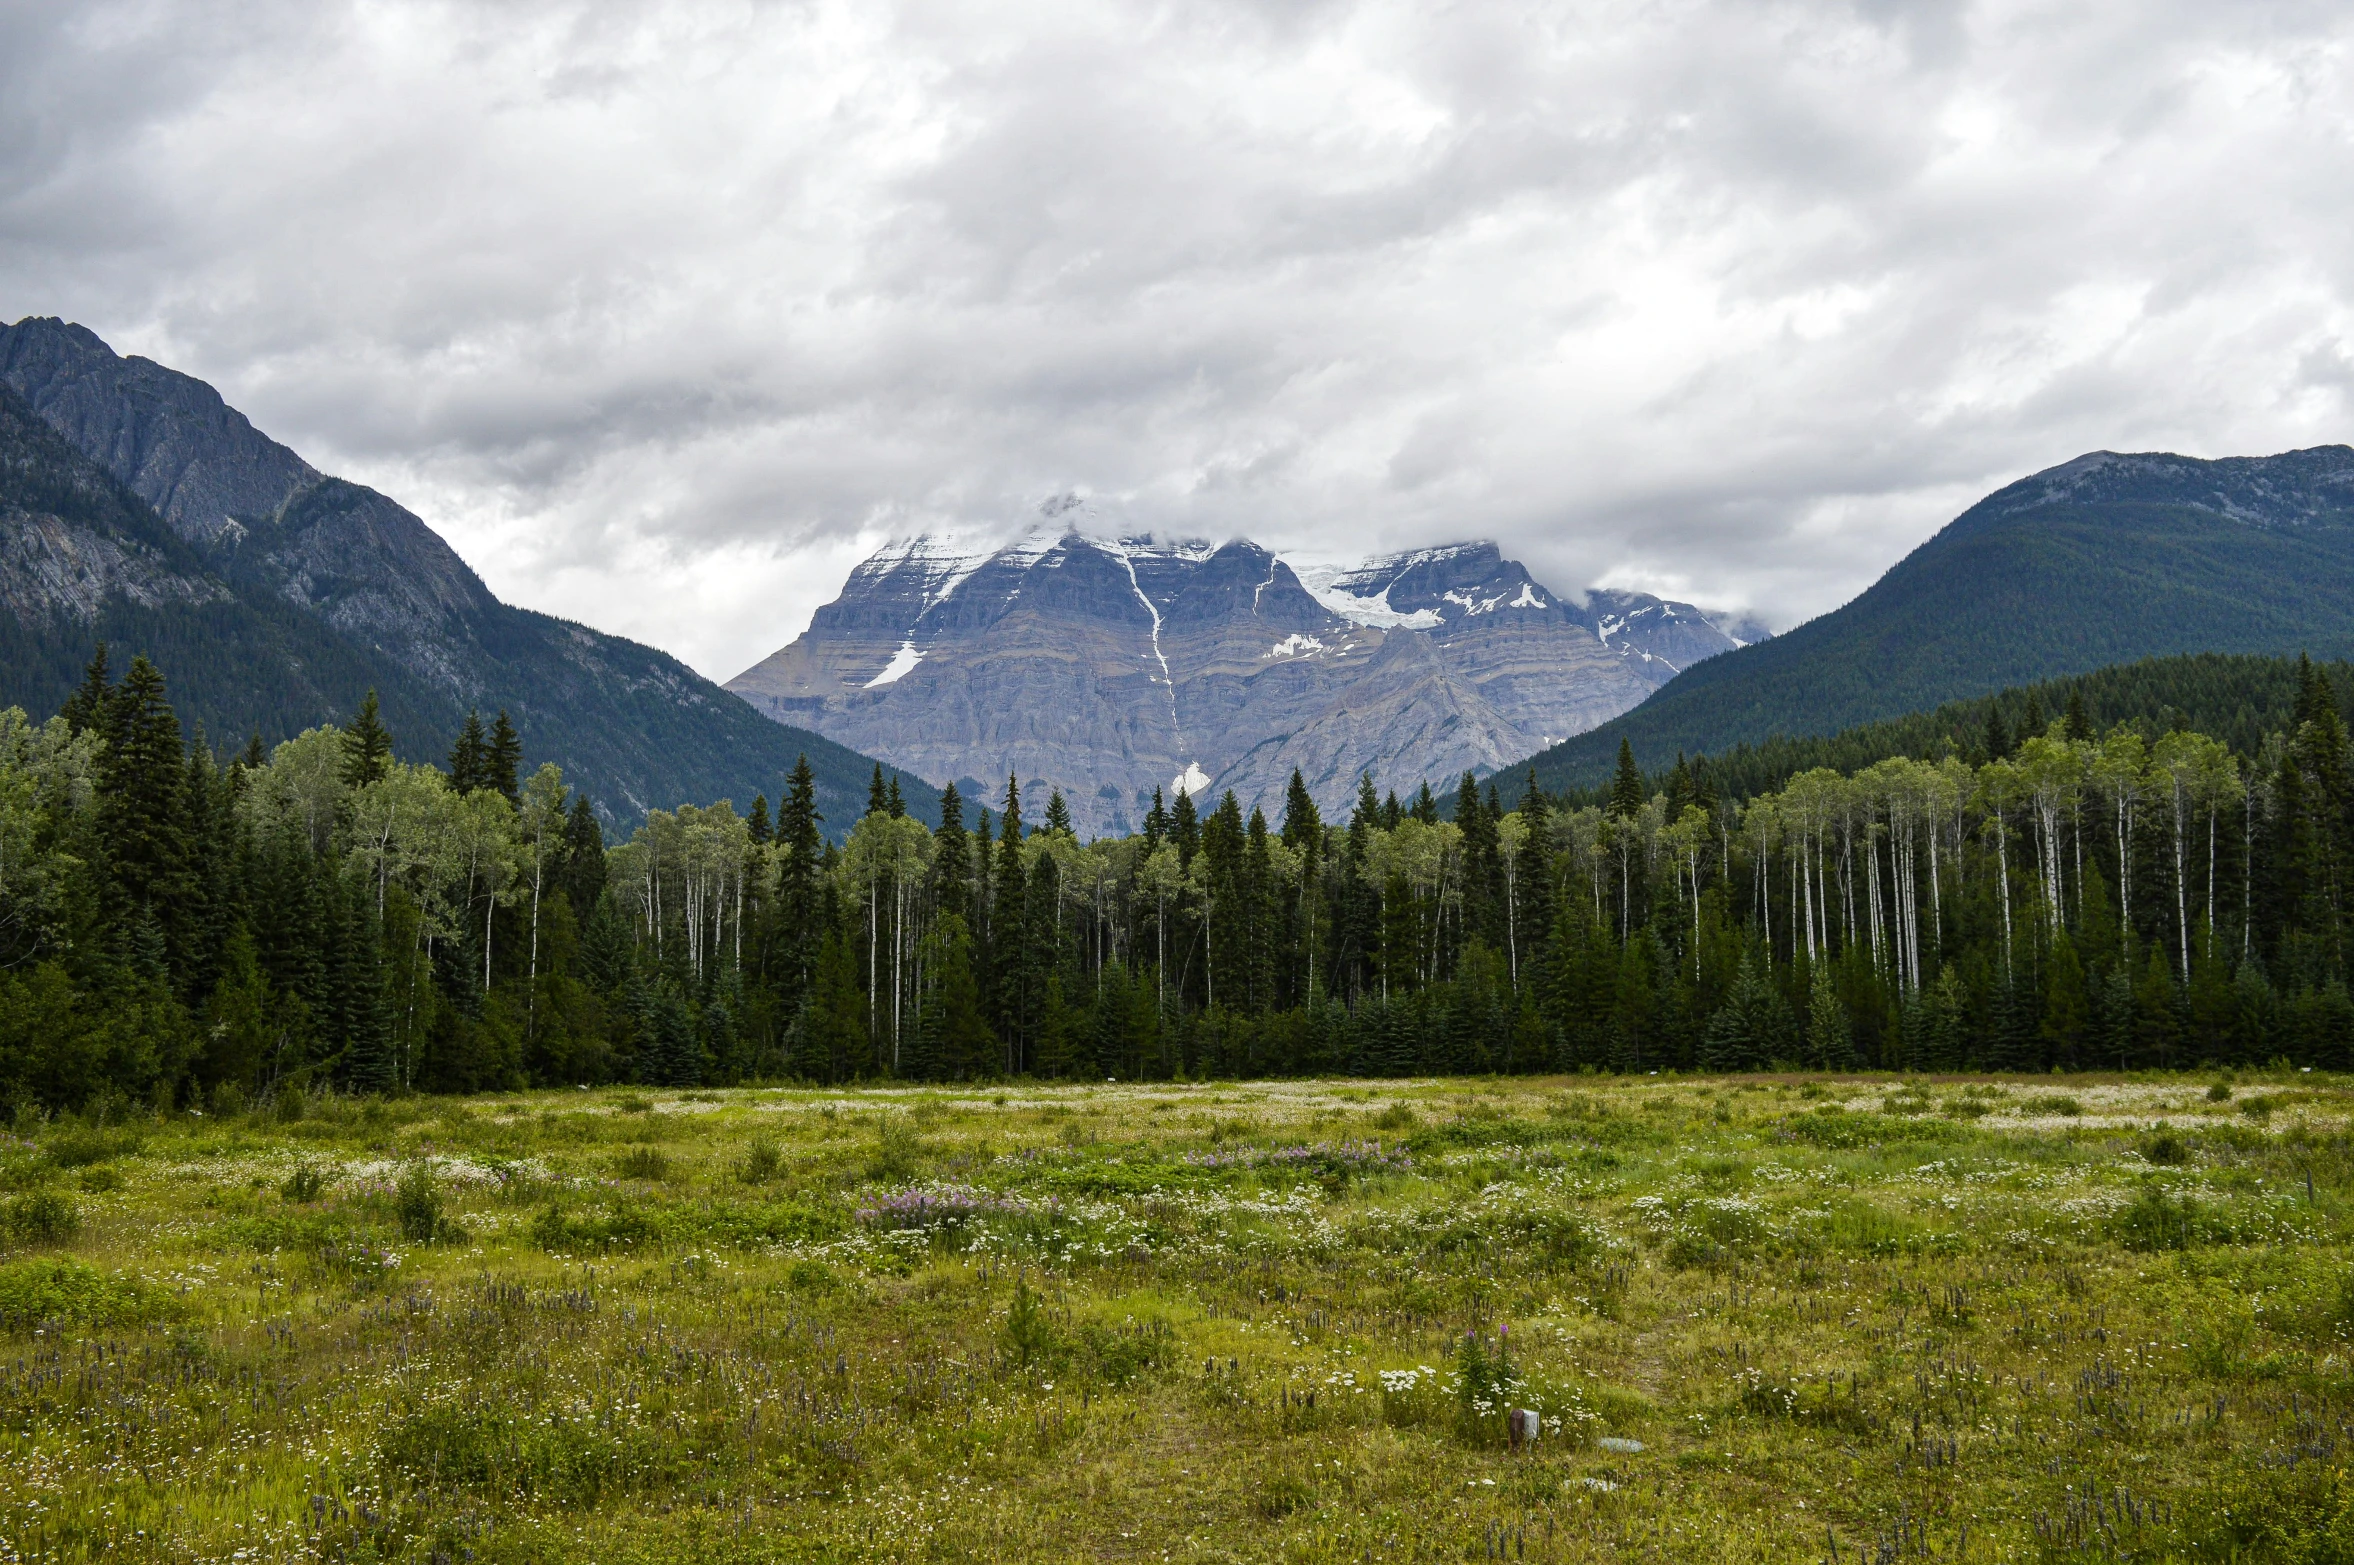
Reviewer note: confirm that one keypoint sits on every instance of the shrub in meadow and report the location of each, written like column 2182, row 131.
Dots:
column 41, row 1217
column 417, row 1206
column 32, row 1292
column 763, row 1161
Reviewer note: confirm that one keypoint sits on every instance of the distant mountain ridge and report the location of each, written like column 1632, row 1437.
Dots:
column 1107, row 665
column 324, row 588
column 2105, row 559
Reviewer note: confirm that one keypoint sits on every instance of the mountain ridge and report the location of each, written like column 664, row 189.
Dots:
column 2107, row 558
column 1106, row 664
column 632, row 726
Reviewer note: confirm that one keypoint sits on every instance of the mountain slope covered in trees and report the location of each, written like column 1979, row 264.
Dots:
column 355, row 592
column 2241, row 699
column 2103, row 560
column 83, row 559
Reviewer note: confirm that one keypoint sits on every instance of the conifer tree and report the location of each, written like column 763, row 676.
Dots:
column 1302, row 826
column 209, row 912
column 952, row 867
column 86, row 707
column 1008, row 901
column 367, row 746
column 2079, row 725
column 1998, row 738
column 1830, row 1040
column 1682, row 793
column 893, row 804
column 1626, row 785
column 757, row 824
column 673, row 1057
column 143, row 808
column 1483, row 871
column 1058, row 814
column 467, row 758
column 955, row 1033
column 799, row 911
column 1532, row 878
column 878, row 798
column 502, row 760
column 583, row 873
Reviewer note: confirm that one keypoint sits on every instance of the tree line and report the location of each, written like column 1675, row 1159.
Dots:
column 178, row 928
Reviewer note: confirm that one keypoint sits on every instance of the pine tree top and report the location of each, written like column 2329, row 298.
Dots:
column 502, row 760
column 467, row 756
column 367, row 746
column 1626, row 785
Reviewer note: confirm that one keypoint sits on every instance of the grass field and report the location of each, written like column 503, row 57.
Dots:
column 1761, row 1319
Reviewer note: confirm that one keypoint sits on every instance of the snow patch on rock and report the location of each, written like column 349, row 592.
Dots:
column 902, row 661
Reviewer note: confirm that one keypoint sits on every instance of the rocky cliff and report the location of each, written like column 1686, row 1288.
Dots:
column 1107, row 666
column 274, row 596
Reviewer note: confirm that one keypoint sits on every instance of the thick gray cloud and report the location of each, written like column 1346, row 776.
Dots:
column 666, row 313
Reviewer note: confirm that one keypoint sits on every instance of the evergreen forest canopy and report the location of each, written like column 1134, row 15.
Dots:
column 324, row 914
column 2089, row 565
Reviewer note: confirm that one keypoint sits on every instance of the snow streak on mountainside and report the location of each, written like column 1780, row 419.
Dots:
column 1108, row 666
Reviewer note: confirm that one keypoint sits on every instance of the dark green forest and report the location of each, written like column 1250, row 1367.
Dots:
column 2240, row 699
column 2021, row 588
column 2044, row 892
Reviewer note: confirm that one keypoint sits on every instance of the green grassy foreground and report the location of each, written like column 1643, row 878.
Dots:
column 1762, row 1318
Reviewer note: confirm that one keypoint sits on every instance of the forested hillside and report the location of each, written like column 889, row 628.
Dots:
column 325, row 913
column 2105, row 560
column 285, row 595
column 2238, row 699
column 82, row 558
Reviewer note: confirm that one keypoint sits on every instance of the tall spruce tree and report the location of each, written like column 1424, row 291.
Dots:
column 143, row 825
column 86, row 708
column 367, row 746
column 1008, row 960
column 468, row 760
column 1626, row 785
column 1302, row 826
column 2079, row 725
column 583, row 873
column 799, row 910
column 952, row 870
column 502, row 760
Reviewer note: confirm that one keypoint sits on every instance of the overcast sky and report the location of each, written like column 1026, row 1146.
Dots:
column 665, row 314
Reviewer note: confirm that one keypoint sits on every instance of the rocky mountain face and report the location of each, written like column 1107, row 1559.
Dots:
column 275, row 596
column 2106, row 559
column 84, row 559
column 1109, row 666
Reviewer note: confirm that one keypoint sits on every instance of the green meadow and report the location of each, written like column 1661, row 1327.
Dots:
column 1760, row 1318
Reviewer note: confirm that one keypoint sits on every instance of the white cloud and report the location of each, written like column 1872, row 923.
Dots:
column 665, row 314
